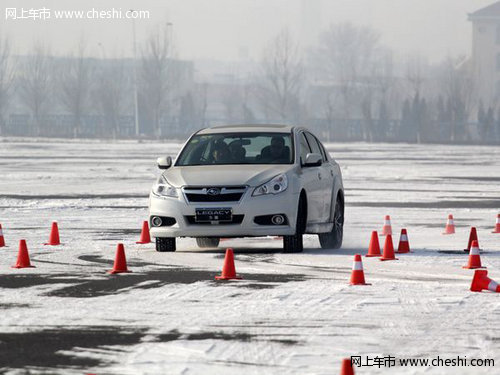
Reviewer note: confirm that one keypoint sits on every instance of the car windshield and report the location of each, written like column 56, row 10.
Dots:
column 237, row 148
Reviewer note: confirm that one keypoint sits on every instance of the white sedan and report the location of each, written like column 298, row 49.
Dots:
column 248, row 181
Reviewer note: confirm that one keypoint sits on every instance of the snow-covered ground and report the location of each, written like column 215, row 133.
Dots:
column 291, row 313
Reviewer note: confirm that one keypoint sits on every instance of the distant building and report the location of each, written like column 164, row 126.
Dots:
column 486, row 52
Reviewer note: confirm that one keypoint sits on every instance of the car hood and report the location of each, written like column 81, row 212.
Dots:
column 222, row 175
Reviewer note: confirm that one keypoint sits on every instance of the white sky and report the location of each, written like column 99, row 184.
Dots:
column 222, row 29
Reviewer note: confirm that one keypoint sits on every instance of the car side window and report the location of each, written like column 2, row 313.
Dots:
column 323, row 151
column 316, row 149
column 304, row 148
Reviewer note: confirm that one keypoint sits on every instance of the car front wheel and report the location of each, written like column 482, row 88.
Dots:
column 333, row 239
column 294, row 244
column 164, row 244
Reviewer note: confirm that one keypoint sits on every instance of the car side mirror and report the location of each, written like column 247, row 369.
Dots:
column 313, row 160
column 164, row 163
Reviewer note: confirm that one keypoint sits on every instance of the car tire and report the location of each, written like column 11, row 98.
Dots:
column 165, row 244
column 205, row 242
column 294, row 244
column 333, row 239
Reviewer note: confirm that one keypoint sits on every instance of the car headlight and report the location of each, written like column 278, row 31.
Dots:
column 275, row 186
column 163, row 189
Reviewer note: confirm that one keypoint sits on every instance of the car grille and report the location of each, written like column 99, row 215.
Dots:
column 224, row 193
column 236, row 219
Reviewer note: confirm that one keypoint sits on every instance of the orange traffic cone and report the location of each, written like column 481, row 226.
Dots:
column 2, row 241
column 145, row 237
column 54, row 235
column 497, row 225
column 23, row 258
column 120, row 265
column 388, row 253
column 357, row 274
column 450, row 225
column 472, row 238
column 481, row 281
column 346, row 368
column 373, row 247
column 387, row 228
column 474, row 258
column 404, row 244
column 228, row 270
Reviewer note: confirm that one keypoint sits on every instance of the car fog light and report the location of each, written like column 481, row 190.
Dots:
column 278, row 219
column 156, row 221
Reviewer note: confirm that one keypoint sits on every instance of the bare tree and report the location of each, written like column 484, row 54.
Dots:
column 281, row 78
column 415, row 68
column 346, row 55
column 457, row 81
column 385, row 83
column 36, row 84
column 109, row 95
column 158, row 76
column 416, row 75
column 74, row 83
column 193, row 108
column 201, row 103
column 6, row 79
column 232, row 101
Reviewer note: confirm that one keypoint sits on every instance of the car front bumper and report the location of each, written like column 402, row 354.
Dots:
column 284, row 203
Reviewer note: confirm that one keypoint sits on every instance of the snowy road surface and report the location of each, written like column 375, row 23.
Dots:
column 292, row 313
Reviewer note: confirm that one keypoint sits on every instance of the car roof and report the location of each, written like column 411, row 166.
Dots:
column 250, row 128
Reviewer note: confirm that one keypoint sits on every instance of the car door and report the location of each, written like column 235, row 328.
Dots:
column 325, row 178
column 311, row 183
column 331, row 169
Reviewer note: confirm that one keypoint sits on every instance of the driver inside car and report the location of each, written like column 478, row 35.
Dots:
column 276, row 152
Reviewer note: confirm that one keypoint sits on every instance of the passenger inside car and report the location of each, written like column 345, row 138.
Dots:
column 237, row 151
column 221, row 153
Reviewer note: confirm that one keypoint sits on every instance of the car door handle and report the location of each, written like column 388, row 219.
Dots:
column 319, row 176
column 331, row 172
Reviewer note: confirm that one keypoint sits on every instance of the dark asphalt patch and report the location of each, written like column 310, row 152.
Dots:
column 41, row 348
column 25, row 281
column 88, row 286
column 259, row 286
column 5, row 306
column 457, row 252
column 487, row 203
column 125, row 231
column 472, row 178
column 224, row 336
column 117, row 207
column 79, row 157
column 356, row 188
column 442, row 225
column 71, row 196
column 115, row 284
column 99, row 260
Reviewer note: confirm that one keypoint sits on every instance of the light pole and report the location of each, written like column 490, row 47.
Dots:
column 169, row 38
column 136, row 97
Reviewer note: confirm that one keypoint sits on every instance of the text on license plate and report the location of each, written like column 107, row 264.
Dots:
column 213, row 214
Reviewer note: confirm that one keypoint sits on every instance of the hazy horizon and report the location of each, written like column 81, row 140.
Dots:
column 229, row 30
